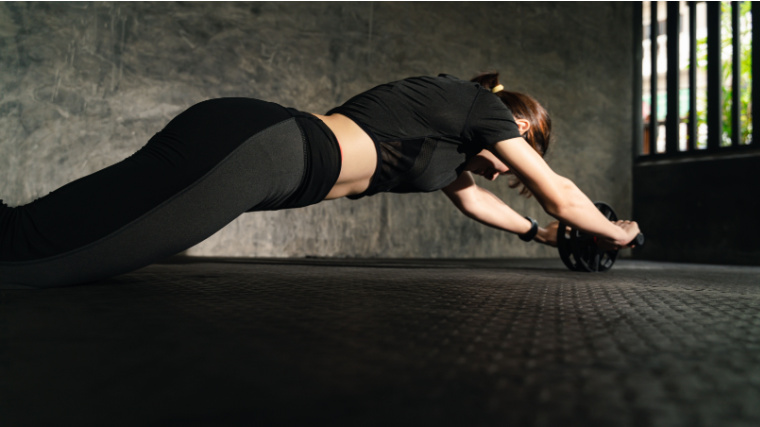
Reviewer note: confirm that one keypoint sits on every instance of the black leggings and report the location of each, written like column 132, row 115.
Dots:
column 211, row 163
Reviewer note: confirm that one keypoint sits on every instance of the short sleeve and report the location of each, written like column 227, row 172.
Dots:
column 490, row 121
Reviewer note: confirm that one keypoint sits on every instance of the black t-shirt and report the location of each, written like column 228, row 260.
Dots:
column 426, row 128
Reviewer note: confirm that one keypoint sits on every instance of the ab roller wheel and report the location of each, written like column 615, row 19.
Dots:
column 579, row 250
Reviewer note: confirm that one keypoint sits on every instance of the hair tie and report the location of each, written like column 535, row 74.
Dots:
column 497, row 88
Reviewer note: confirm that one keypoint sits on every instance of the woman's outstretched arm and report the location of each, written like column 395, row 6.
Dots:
column 484, row 207
column 559, row 196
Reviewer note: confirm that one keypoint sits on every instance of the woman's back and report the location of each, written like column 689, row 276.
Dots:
column 426, row 128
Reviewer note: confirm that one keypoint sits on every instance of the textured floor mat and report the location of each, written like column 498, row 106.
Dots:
column 387, row 342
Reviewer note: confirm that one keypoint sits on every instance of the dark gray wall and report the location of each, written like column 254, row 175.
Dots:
column 84, row 85
column 700, row 210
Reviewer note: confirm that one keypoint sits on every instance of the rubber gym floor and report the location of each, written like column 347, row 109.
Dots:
column 218, row 342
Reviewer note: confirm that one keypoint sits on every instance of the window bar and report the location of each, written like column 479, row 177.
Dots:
column 638, row 53
column 672, row 128
column 735, row 76
column 714, row 120
column 755, row 72
column 653, row 30
column 691, row 132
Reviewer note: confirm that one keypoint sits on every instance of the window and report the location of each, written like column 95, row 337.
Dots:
column 696, row 77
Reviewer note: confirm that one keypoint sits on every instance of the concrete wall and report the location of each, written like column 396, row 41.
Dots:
column 83, row 85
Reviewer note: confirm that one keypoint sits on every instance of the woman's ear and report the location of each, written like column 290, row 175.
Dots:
column 523, row 125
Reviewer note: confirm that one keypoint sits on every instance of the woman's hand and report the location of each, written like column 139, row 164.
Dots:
column 548, row 235
column 631, row 229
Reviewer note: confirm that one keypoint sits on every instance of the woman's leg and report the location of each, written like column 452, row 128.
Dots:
column 210, row 164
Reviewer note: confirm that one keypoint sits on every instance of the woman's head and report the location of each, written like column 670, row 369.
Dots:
column 523, row 107
column 526, row 108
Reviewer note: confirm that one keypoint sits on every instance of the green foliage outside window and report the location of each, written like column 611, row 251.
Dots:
column 745, row 72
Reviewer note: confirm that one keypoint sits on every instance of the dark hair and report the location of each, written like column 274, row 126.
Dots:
column 525, row 107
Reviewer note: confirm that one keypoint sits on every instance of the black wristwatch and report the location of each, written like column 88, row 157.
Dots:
column 527, row 237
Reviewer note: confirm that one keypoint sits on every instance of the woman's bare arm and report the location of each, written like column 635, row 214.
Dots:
column 484, row 207
column 559, row 196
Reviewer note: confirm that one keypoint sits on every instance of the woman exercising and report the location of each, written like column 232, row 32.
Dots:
column 223, row 157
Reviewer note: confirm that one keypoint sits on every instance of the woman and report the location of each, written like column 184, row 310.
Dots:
column 223, row 157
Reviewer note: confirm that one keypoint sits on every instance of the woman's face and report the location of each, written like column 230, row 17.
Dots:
column 487, row 165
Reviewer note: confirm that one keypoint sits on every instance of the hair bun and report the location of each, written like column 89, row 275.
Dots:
column 489, row 81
